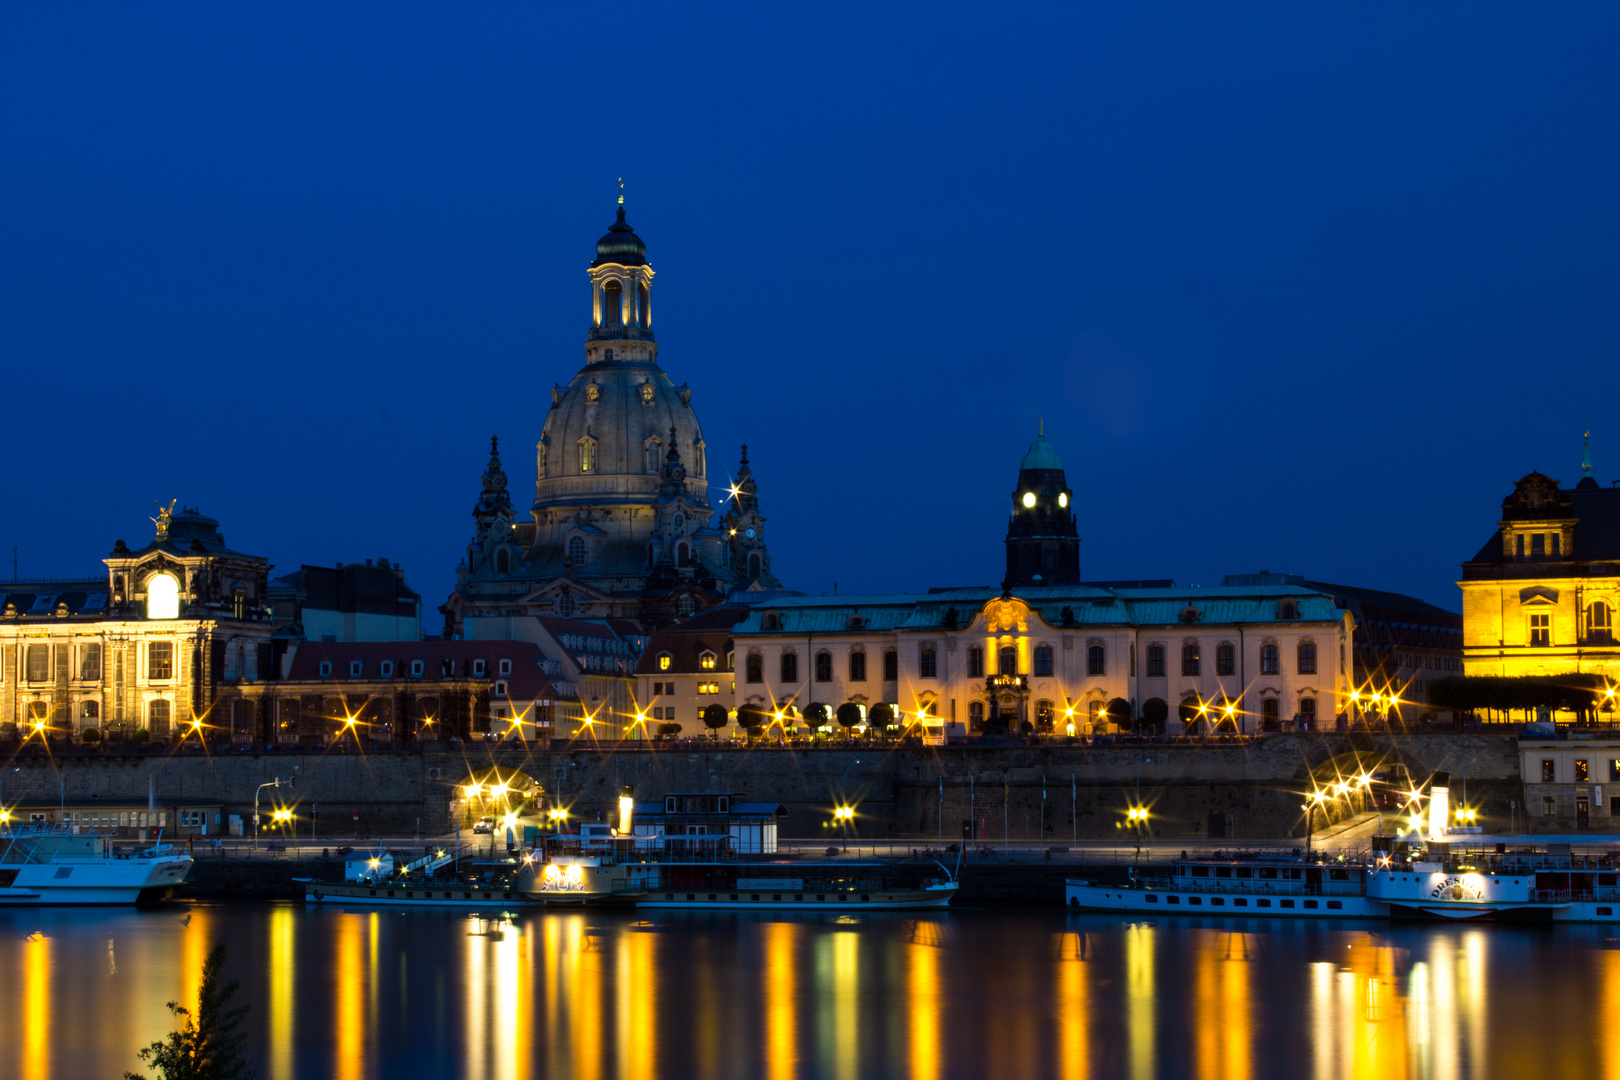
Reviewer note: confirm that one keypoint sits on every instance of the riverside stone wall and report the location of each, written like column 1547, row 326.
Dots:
column 1195, row 790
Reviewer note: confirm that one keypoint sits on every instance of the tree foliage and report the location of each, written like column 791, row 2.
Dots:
column 1118, row 712
column 751, row 717
column 879, row 717
column 816, row 714
column 1573, row 692
column 849, row 715
column 715, row 717
column 207, row 1046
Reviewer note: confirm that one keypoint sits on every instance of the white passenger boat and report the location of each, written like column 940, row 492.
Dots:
column 1517, row 878
column 44, row 865
column 1258, row 883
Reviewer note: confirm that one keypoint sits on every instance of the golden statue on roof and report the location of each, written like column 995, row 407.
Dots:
column 165, row 515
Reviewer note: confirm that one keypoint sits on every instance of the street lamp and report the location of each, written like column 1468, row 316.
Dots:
column 276, row 783
column 844, row 815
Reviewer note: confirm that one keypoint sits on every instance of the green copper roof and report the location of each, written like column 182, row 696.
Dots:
column 1041, row 456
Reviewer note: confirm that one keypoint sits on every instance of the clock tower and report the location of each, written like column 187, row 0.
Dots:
column 1043, row 541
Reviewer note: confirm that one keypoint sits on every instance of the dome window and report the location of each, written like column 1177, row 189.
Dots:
column 646, row 393
column 587, row 454
column 612, row 304
column 576, row 550
column 593, row 392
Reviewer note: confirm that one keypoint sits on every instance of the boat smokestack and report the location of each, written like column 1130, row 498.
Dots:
column 1439, row 803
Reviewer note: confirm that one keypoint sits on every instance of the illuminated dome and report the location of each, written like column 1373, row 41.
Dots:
column 620, row 244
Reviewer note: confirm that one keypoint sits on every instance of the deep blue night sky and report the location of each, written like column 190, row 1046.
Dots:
column 1298, row 287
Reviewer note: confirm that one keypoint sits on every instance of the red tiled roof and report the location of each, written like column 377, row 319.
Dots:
column 527, row 682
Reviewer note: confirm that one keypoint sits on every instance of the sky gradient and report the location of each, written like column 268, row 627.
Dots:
column 1296, row 287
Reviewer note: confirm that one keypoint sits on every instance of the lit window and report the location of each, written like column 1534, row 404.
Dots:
column 157, row 716
column 707, row 661
column 1541, row 630
column 163, row 597
column 646, row 393
column 708, row 688
column 160, row 660
column 664, row 661
column 1581, row 773
column 587, row 455
column 593, row 393
column 90, row 662
column 39, row 663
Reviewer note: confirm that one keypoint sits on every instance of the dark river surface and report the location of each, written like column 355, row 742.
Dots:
column 354, row 994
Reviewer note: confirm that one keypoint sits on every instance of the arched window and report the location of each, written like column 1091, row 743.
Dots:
column 612, row 304
column 697, row 459
column 652, row 451
column 587, row 454
column 1096, row 661
column 975, row 662
column 1043, row 660
column 1190, row 659
column 1155, row 661
column 823, row 667
column 975, row 715
column 707, row 660
column 643, row 309
column 1288, row 609
column 1225, row 659
column 683, row 554
column 857, row 666
column 753, row 565
column 686, row 607
column 754, row 668
column 771, row 621
column 89, row 713
column 1009, row 661
column 790, row 668
column 1268, row 659
column 1268, row 714
column 157, row 717
column 1600, row 623
column 503, row 561
column 163, row 597
column 1307, row 713
column 1044, row 713
column 576, row 550
column 927, row 663
column 1307, row 658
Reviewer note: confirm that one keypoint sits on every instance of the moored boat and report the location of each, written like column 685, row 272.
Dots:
column 41, row 864
column 1280, row 884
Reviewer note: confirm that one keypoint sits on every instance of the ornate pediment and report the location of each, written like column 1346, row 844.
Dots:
column 1006, row 615
column 1538, row 594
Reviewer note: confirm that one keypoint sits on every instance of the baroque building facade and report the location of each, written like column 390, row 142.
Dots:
column 1540, row 597
column 1045, row 652
column 621, row 525
column 177, row 632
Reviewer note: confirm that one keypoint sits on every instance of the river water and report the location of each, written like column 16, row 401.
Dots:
column 354, row 994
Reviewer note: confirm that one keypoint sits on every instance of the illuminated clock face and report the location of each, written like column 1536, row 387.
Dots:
column 749, row 532
column 1029, row 499
column 1063, row 498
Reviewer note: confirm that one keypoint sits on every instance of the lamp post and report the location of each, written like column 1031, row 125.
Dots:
column 843, row 812
column 276, row 783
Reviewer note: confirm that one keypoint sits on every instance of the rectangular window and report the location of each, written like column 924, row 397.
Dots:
column 1538, row 545
column 1540, row 630
column 160, row 660
column 823, row 667
column 1580, row 771
column 975, row 663
column 416, row 669
column 891, row 666
column 506, row 666
column 478, row 668
column 1225, row 659
column 927, row 664
column 1155, row 661
column 1546, row 770
column 1549, row 806
column 39, row 663
column 1043, row 660
column 857, row 667
column 1307, row 658
column 1189, row 660
column 1614, row 768
column 90, row 662
column 356, row 667
column 1096, row 660
column 387, row 668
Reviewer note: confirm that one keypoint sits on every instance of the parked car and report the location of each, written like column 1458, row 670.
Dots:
column 485, row 825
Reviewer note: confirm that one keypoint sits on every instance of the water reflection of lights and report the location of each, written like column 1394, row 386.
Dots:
column 1073, row 1052
column 923, row 1001
column 1139, row 1000
column 781, row 1020
column 1221, row 991
column 283, row 962
column 36, row 1005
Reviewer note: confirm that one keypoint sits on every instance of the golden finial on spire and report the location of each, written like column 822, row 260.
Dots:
column 621, row 191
